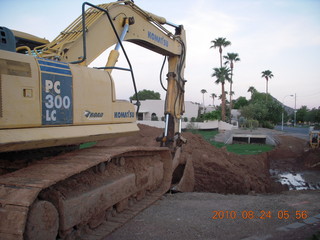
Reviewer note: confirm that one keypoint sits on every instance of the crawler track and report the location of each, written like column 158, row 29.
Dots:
column 84, row 194
column 115, row 222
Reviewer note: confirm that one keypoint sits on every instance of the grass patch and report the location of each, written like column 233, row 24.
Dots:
column 87, row 145
column 242, row 149
column 248, row 149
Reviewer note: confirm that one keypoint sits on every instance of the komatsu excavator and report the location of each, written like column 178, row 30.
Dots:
column 50, row 99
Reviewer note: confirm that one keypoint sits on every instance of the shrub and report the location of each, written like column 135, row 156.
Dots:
column 242, row 122
column 252, row 124
column 192, row 126
column 267, row 124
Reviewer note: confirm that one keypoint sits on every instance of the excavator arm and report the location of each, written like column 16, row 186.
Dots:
column 91, row 34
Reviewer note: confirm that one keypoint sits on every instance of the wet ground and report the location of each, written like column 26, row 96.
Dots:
column 302, row 180
column 290, row 170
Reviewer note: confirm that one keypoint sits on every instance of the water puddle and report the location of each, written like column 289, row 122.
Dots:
column 304, row 180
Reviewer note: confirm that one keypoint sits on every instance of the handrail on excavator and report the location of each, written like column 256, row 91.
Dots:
column 119, row 42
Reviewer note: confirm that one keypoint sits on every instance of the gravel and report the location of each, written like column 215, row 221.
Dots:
column 188, row 216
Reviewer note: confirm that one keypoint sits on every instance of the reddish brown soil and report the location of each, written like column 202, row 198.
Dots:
column 290, row 147
column 287, row 156
column 311, row 159
column 216, row 170
column 293, row 154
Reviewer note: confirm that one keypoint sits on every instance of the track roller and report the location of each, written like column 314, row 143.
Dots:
column 43, row 221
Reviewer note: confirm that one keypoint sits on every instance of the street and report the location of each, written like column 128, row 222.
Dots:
column 300, row 132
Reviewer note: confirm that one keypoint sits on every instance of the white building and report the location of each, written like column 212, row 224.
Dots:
column 154, row 109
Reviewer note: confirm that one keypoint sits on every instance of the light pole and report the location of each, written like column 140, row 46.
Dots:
column 295, row 110
column 283, row 110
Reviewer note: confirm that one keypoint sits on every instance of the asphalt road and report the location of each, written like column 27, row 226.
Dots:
column 301, row 132
column 190, row 216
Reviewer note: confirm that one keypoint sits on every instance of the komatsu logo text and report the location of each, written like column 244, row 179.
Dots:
column 128, row 114
column 158, row 39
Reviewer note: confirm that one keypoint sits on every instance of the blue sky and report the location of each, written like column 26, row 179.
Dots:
column 278, row 35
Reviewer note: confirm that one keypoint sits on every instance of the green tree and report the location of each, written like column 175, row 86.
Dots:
column 257, row 111
column 258, row 97
column 317, row 115
column 302, row 114
column 240, row 102
column 231, row 59
column 267, row 74
column 267, row 113
column 220, row 43
column 146, row 94
column 274, row 111
column 252, row 90
column 222, row 75
column 306, row 115
column 214, row 115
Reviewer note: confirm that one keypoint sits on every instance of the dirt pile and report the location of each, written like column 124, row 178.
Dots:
column 215, row 170
column 294, row 154
column 287, row 155
column 311, row 159
column 289, row 147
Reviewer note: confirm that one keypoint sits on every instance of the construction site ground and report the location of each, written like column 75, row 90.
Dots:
column 231, row 196
column 189, row 216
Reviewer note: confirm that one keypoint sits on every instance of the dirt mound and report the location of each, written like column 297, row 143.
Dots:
column 287, row 156
column 289, row 147
column 311, row 159
column 215, row 170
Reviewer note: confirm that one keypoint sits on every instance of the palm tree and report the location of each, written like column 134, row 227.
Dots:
column 213, row 95
column 222, row 75
column 219, row 43
column 252, row 90
column 203, row 91
column 220, row 96
column 267, row 74
column 231, row 59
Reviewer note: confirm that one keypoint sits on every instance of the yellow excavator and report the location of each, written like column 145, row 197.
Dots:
column 50, row 100
column 314, row 139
